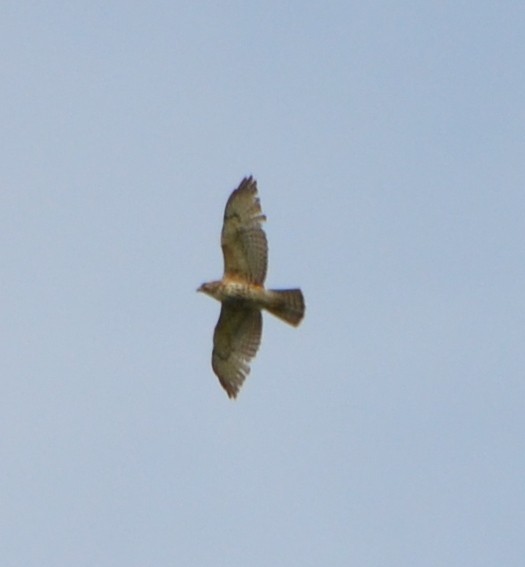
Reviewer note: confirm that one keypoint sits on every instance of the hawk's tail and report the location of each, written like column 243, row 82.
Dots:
column 287, row 304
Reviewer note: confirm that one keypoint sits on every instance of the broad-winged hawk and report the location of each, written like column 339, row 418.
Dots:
column 241, row 291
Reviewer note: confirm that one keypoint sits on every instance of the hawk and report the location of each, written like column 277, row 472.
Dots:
column 241, row 291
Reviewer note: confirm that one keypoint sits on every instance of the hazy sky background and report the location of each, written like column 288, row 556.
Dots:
column 388, row 142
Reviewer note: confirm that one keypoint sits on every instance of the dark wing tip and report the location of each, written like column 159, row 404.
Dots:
column 248, row 180
column 230, row 388
column 232, row 394
column 247, row 184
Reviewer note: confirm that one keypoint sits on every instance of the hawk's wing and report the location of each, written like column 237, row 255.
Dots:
column 235, row 342
column 243, row 241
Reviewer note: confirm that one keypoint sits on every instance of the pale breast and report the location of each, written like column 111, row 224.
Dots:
column 231, row 289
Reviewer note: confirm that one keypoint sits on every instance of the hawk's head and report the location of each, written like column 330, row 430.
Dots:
column 210, row 288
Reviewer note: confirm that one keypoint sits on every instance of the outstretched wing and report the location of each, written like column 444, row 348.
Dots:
column 243, row 240
column 235, row 342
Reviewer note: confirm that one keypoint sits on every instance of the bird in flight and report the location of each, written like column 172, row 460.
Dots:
column 241, row 291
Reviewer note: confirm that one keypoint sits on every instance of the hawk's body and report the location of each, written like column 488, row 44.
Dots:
column 238, row 332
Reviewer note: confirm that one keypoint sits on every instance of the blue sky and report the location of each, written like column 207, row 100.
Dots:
column 388, row 144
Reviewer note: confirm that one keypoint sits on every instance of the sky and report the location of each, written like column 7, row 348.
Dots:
column 387, row 139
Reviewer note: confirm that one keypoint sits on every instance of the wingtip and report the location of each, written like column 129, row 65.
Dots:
column 248, row 181
column 232, row 392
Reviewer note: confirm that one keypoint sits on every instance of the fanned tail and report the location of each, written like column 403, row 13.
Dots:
column 287, row 304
